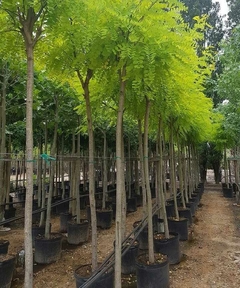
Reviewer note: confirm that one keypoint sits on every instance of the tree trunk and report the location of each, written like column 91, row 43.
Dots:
column 146, row 170
column 52, row 173
column 28, row 281
column 173, row 174
column 85, row 86
column 104, row 179
column 161, row 177
column 120, row 179
column 144, row 193
column 2, row 142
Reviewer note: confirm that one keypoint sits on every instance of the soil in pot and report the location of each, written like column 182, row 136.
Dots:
column 78, row 233
column 168, row 246
column 48, row 250
column 179, row 226
column 104, row 218
column 154, row 275
column 7, row 265
column 4, row 246
column 84, row 272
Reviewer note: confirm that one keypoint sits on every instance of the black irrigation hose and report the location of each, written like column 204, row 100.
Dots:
column 109, row 261
column 36, row 211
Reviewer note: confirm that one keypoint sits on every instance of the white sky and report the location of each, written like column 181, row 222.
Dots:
column 224, row 6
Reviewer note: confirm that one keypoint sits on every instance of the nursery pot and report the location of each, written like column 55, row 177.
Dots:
column 129, row 258
column 170, row 210
column 104, row 218
column 185, row 213
column 7, row 265
column 139, row 200
column 132, row 204
column 228, row 192
column 179, row 226
column 142, row 236
column 4, row 246
column 48, row 250
column 10, row 213
column 64, row 218
column 191, row 205
column 154, row 275
column 83, row 273
column 38, row 231
column 168, row 246
column 78, row 232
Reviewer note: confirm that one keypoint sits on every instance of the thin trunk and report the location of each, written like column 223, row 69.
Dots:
column 52, row 173
column 146, row 170
column 2, row 142
column 173, row 174
column 129, row 175
column 85, row 86
column 28, row 280
column 180, row 173
column 44, row 164
column 104, row 179
column 62, row 168
column 161, row 179
column 39, row 175
column 78, row 180
column 124, row 197
column 144, row 193
column 120, row 179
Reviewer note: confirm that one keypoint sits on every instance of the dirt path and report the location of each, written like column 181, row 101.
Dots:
column 210, row 259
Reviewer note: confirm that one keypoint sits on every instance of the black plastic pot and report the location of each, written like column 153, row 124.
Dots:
column 132, row 204
column 191, row 205
column 129, row 259
column 38, row 231
column 153, row 192
column 169, row 247
column 61, row 208
column 142, row 237
column 139, row 200
column 185, row 213
column 196, row 197
column 4, row 246
column 64, row 218
column 170, row 210
column 104, row 218
column 78, row 233
column 7, row 266
column 48, row 250
column 10, row 213
column 106, row 280
column 152, row 275
column 179, row 226
column 228, row 192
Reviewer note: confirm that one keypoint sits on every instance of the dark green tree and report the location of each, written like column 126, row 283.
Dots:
column 233, row 14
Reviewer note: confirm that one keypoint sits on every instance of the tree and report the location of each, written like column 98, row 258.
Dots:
column 28, row 19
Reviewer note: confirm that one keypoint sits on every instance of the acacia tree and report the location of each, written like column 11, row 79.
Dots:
column 28, row 19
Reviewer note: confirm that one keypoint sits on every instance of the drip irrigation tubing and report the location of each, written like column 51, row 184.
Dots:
column 36, row 211
column 110, row 260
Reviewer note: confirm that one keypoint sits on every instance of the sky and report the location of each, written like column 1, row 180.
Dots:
column 224, row 6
